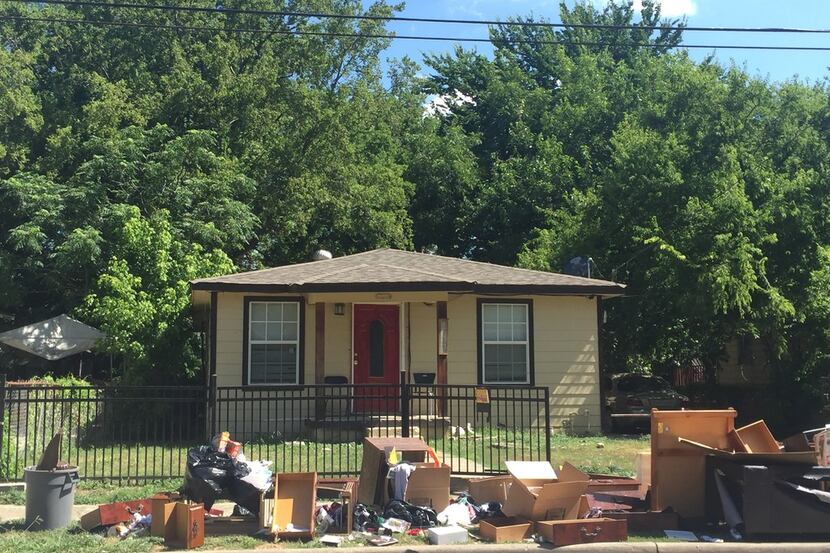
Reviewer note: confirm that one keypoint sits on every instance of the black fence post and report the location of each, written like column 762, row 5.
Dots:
column 406, row 397
column 3, row 419
column 547, row 423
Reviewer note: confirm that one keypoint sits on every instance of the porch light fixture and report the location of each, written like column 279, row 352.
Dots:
column 339, row 308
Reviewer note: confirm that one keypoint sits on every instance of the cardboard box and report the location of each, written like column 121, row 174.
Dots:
column 447, row 535
column 493, row 488
column 188, row 528
column 507, row 529
column 538, row 493
column 295, row 496
column 429, row 486
column 589, row 530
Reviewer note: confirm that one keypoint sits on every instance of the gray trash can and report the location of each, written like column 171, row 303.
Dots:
column 50, row 496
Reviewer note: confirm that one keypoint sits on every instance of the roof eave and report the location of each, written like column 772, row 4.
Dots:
column 516, row 289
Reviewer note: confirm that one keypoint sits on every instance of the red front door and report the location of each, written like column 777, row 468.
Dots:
column 376, row 357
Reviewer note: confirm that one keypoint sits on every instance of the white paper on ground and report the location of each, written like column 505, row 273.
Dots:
column 681, row 535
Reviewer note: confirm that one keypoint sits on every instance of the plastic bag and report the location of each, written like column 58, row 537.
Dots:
column 456, row 514
column 418, row 517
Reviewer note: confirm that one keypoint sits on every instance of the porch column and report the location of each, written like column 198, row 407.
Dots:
column 319, row 342
column 441, row 365
column 319, row 357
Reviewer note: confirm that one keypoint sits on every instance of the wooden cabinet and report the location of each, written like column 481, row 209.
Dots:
column 186, row 529
column 588, row 530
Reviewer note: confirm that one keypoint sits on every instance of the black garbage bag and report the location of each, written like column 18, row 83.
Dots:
column 364, row 518
column 243, row 494
column 207, row 476
column 417, row 517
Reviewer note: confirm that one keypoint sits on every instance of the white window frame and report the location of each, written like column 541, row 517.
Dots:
column 296, row 342
column 484, row 342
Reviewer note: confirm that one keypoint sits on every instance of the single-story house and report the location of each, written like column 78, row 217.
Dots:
column 383, row 315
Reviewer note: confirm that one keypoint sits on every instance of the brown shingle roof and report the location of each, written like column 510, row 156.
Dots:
column 389, row 270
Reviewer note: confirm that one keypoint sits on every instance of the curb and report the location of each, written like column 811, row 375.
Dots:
column 619, row 547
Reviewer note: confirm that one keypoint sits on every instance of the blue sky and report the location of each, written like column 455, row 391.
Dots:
column 776, row 65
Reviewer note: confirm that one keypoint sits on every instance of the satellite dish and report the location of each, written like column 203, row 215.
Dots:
column 581, row 266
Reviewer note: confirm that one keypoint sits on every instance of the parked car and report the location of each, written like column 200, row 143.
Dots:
column 629, row 398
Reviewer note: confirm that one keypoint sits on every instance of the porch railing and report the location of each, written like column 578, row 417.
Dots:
column 122, row 433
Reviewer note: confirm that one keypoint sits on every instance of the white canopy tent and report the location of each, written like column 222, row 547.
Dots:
column 53, row 338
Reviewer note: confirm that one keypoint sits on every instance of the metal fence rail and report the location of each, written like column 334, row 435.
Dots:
column 124, row 433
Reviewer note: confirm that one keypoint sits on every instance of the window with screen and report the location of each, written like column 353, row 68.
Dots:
column 505, row 343
column 273, row 342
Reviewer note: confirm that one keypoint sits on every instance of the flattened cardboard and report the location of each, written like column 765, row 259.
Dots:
column 493, row 488
column 532, row 473
column 536, row 498
column 295, row 496
column 507, row 529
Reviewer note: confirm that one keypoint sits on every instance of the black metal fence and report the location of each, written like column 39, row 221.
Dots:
column 122, row 433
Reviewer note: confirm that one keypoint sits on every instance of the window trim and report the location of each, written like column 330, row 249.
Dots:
column 246, row 344
column 531, row 372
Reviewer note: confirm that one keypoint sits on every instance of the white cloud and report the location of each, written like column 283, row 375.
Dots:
column 672, row 8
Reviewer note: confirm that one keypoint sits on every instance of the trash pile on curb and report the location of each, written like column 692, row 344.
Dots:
column 703, row 479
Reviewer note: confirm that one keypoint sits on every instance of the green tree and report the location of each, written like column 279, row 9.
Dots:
column 142, row 298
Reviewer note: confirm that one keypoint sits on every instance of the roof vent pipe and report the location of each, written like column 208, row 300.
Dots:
column 321, row 255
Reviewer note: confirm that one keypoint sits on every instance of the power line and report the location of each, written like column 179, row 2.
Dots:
column 335, row 34
column 369, row 17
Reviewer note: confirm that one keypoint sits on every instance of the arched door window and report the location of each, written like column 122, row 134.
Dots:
column 376, row 348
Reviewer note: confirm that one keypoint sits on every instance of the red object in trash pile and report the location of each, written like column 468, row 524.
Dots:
column 233, row 448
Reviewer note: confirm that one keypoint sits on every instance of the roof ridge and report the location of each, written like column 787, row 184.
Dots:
column 472, row 261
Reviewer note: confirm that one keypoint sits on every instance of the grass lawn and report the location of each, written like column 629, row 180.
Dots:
column 616, row 456
column 13, row 537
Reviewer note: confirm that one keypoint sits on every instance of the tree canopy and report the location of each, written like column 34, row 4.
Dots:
column 133, row 159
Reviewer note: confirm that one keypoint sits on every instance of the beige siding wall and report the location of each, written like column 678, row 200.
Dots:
column 338, row 342
column 565, row 344
column 565, row 340
column 229, row 339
